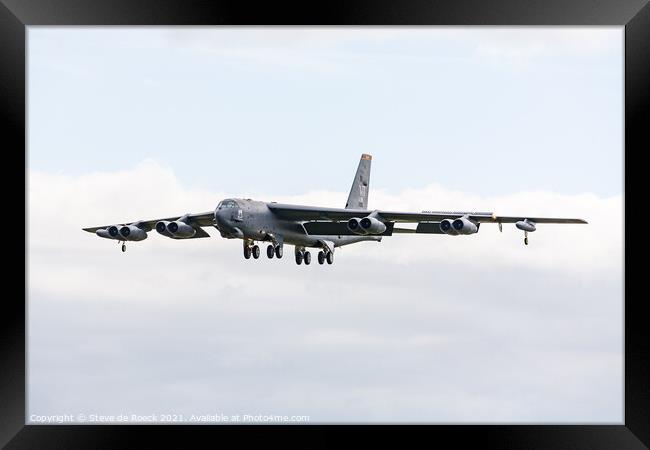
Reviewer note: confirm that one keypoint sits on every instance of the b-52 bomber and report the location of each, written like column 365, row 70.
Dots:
column 316, row 227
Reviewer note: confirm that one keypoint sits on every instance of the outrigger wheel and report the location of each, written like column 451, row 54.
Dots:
column 123, row 247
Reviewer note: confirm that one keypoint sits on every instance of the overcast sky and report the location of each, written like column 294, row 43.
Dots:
column 139, row 123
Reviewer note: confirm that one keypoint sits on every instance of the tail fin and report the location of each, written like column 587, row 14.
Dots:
column 358, row 198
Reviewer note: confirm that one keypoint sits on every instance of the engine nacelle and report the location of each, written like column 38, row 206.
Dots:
column 463, row 225
column 132, row 233
column 161, row 227
column 354, row 225
column 111, row 232
column 372, row 226
column 447, row 227
column 180, row 229
column 526, row 225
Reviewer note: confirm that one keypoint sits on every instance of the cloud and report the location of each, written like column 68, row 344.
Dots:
column 415, row 328
column 522, row 46
column 333, row 48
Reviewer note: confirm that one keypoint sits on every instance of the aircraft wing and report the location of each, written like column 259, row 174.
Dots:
column 310, row 213
column 307, row 213
column 196, row 220
column 476, row 217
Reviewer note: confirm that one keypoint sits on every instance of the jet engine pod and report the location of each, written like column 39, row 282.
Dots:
column 181, row 229
column 355, row 226
column 133, row 233
column 111, row 232
column 161, row 227
column 372, row 226
column 447, row 228
column 526, row 225
column 463, row 225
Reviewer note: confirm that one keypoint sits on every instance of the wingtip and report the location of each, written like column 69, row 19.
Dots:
column 366, row 156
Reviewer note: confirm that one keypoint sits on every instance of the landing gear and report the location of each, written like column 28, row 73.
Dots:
column 325, row 255
column 250, row 249
column 123, row 247
column 272, row 250
column 302, row 255
column 525, row 237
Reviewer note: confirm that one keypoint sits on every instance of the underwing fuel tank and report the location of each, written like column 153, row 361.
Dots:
column 526, row 225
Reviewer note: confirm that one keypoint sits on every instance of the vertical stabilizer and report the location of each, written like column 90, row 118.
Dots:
column 358, row 198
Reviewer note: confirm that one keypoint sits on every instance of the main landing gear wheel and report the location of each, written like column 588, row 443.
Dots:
column 123, row 247
column 247, row 252
column 307, row 257
column 256, row 251
column 270, row 251
column 299, row 257
column 330, row 257
column 278, row 251
column 321, row 257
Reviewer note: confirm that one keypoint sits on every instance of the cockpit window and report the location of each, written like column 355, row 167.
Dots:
column 227, row 204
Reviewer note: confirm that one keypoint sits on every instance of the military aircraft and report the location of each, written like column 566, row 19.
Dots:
column 312, row 226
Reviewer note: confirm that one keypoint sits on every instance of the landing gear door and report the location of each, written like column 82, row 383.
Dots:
column 327, row 245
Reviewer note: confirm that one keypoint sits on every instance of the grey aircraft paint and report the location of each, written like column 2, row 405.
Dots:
column 358, row 198
column 316, row 227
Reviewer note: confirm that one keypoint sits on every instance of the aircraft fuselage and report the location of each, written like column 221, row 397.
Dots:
column 253, row 220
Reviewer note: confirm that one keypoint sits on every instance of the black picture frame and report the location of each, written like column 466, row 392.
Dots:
column 634, row 15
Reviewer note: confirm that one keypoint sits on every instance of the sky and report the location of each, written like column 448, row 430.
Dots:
column 138, row 123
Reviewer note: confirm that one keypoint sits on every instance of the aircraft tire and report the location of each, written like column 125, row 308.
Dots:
column 247, row 252
column 278, row 251
column 299, row 258
column 256, row 251
column 321, row 257
column 270, row 251
column 123, row 247
column 330, row 257
column 307, row 257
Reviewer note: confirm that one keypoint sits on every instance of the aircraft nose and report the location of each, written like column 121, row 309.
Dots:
column 219, row 217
